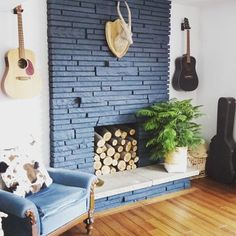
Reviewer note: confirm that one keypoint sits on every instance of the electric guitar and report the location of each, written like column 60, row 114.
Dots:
column 20, row 79
column 185, row 77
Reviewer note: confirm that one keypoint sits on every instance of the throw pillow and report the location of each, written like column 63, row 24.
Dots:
column 21, row 174
column 1, row 183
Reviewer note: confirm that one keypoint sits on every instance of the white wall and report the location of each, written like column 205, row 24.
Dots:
column 213, row 38
column 20, row 118
column 178, row 41
column 217, row 60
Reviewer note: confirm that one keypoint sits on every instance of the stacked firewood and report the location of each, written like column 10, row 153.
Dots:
column 115, row 149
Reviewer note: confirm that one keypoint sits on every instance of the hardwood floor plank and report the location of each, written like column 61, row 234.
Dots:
column 216, row 213
column 167, row 220
column 159, row 232
column 216, row 223
column 164, row 227
column 132, row 227
column 183, row 217
column 104, row 228
column 227, row 190
column 213, row 199
column 116, row 226
column 210, row 224
column 211, row 207
column 145, row 216
column 137, row 220
column 228, row 231
column 208, row 209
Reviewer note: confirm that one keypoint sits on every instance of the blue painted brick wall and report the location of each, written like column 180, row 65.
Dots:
column 141, row 194
column 89, row 86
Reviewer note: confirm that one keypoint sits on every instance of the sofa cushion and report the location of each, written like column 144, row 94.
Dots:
column 71, row 213
column 58, row 198
column 21, row 174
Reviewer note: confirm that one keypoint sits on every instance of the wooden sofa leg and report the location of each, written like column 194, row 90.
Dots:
column 30, row 215
column 89, row 223
column 90, row 220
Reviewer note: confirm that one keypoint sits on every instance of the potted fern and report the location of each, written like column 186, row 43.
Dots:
column 172, row 130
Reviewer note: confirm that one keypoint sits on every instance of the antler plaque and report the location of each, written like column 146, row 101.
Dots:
column 118, row 33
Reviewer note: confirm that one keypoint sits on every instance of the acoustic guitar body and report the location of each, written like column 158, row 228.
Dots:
column 185, row 77
column 20, row 79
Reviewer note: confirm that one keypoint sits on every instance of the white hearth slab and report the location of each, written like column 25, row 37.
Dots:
column 121, row 182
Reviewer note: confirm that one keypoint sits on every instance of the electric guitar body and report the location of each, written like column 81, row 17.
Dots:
column 20, row 79
column 185, row 76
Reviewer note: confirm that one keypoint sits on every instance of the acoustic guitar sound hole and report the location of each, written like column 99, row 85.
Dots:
column 22, row 63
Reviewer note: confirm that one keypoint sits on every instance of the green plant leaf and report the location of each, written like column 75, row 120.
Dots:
column 171, row 124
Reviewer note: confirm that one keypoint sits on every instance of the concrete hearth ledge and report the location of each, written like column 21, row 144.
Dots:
column 121, row 182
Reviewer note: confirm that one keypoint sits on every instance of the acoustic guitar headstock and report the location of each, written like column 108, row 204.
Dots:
column 185, row 25
column 18, row 9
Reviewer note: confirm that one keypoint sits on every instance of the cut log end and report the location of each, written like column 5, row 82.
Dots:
column 97, row 165
column 105, row 170
column 98, row 172
column 115, row 149
column 110, row 150
column 99, row 141
column 107, row 161
column 121, row 165
column 126, row 156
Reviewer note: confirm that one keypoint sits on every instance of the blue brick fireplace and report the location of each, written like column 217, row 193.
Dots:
column 89, row 87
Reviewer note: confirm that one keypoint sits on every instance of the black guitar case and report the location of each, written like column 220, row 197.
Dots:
column 221, row 161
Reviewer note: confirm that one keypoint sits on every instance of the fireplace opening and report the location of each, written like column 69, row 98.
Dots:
column 115, row 148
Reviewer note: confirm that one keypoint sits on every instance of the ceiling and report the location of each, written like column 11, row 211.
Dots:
column 201, row 2
column 10, row 4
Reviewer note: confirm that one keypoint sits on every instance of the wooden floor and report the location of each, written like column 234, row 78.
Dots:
column 208, row 208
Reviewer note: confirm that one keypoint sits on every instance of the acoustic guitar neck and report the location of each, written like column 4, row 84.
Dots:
column 20, row 31
column 188, row 47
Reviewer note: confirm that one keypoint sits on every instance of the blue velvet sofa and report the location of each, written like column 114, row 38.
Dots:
column 53, row 210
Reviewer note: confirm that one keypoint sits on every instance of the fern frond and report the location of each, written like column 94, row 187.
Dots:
column 171, row 124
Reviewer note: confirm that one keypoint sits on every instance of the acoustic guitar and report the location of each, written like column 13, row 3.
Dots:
column 20, row 79
column 185, row 77
column 221, row 160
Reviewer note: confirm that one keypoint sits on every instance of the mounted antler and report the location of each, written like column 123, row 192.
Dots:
column 126, row 27
column 118, row 33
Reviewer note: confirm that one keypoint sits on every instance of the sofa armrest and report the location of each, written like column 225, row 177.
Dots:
column 21, row 208
column 72, row 178
column 15, row 205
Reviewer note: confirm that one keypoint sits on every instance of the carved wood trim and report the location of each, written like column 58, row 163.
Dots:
column 32, row 218
column 90, row 220
column 92, row 202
